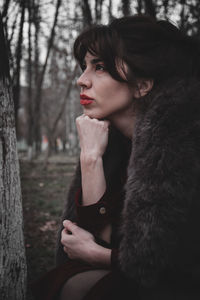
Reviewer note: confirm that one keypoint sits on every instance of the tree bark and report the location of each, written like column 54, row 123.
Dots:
column 4, row 16
column 13, row 270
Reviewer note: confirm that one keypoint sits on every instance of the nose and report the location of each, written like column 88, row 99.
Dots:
column 84, row 80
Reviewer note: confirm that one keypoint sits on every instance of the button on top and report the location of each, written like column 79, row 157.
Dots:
column 102, row 210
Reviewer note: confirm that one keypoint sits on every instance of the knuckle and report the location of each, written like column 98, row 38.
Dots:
column 94, row 120
column 77, row 121
column 63, row 237
column 75, row 229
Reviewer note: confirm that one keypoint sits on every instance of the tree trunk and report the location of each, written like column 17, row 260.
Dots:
column 17, row 71
column 30, row 86
column 150, row 8
column 38, row 97
column 139, row 6
column 98, row 10
column 110, row 15
column 126, row 7
column 13, row 269
column 87, row 15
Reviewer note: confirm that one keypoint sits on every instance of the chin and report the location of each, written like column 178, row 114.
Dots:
column 94, row 116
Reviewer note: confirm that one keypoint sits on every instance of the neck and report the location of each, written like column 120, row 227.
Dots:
column 125, row 122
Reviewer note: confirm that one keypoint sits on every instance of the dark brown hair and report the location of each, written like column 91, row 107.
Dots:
column 151, row 48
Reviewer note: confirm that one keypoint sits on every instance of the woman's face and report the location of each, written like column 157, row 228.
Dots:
column 101, row 95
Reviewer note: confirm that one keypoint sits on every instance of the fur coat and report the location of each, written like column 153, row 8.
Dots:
column 160, row 227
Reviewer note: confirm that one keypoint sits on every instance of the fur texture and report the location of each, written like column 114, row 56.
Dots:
column 160, row 240
column 160, row 227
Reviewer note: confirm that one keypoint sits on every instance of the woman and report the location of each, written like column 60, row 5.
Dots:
column 131, row 223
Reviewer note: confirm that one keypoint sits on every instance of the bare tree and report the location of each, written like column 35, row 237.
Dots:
column 87, row 15
column 17, row 71
column 38, row 96
column 98, row 10
column 126, row 7
column 183, row 16
column 4, row 15
column 139, row 6
column 12, row 252
column 110, row 14
column 30, row 81
column 150, row 7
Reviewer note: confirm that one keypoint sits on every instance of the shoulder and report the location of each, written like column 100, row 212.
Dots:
column 175, row 93
column 171, row 110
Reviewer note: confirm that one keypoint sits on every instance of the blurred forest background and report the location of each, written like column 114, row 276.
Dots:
column 40, row 35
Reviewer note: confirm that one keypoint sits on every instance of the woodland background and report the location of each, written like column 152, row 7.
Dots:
column 40, row 36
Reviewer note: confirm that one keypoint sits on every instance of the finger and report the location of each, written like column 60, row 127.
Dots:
column 70, row 226
column 66, row 238
column 65, row 222
column 65, row 230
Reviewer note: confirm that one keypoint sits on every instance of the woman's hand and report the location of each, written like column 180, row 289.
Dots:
column 93, row 136
column 80, row 244
column 77, row 242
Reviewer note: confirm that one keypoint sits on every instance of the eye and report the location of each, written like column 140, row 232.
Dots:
column 100, row 67
column 83, row 67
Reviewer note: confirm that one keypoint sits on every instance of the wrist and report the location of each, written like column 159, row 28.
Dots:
column 90, row 159
column 100, row 256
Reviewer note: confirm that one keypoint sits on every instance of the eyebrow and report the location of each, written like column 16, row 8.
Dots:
column 94, row 61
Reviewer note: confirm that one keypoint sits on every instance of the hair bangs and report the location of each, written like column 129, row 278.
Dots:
column 91, row 40
column 99, row 41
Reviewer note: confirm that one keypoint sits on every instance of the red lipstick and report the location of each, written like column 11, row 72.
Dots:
column 85, row 100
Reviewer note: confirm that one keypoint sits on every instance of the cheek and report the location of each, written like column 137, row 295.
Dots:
column 112, row 96
column 118, row 96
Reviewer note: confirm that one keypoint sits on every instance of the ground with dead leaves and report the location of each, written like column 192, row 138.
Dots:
column 44, row 192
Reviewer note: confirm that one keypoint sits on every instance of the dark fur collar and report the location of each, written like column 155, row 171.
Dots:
column 163, row 180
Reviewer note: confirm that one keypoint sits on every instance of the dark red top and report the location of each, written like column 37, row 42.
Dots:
column 95, row 216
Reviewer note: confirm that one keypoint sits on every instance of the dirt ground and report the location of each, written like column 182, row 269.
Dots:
column 44, row 192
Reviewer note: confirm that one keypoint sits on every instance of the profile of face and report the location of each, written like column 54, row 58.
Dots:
column 108, row 96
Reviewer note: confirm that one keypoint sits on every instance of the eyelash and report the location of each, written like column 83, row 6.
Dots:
column 83, row 67
column 98, row 67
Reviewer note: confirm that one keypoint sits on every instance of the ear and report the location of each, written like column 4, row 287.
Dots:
column 143, row 87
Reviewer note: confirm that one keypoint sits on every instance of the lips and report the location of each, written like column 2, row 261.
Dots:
column 85, row 100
